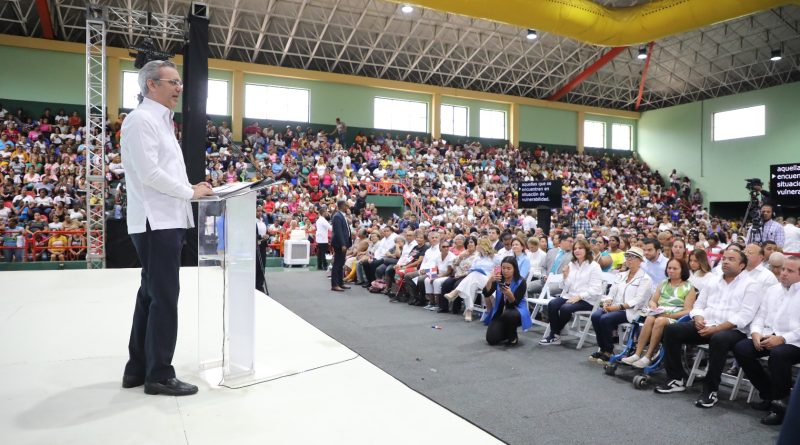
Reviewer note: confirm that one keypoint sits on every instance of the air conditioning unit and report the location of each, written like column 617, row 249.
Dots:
column 296, row 252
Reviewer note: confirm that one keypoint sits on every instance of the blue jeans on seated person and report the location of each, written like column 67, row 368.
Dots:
column 14, row 255
column 560, row 312
column 604, row 324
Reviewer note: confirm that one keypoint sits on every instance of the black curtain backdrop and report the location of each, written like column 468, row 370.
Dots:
column 543, row 219
column 195, row 94
column 120, row 252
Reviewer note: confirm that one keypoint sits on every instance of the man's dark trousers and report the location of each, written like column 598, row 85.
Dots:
column 155, row 319
column 719, row 345
column 337, row 271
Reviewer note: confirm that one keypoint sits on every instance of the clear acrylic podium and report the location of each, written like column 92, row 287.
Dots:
column 226, row 283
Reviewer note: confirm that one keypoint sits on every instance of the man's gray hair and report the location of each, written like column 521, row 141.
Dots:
column 150, row 71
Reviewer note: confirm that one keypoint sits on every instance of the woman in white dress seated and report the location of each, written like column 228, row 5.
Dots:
column 479, row 273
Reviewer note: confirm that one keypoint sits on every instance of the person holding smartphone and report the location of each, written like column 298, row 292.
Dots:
column 506, row 307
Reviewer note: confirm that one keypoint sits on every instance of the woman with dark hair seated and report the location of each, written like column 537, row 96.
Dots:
column 673, row 298
column 507, row 307
column 583, row 286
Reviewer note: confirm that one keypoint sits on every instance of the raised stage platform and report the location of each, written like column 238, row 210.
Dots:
column 63, row 346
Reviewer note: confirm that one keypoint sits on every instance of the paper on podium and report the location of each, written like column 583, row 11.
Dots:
column 230, row 188
column 234, row 188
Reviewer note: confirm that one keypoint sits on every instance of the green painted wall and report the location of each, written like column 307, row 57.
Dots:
column 354, row 104
column 614, row 120
column 680, row 137
column 387, row 204
column 474, row 112
column 548, row 126
column 42, row 76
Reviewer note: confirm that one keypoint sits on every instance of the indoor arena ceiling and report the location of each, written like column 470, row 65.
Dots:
column 375, row 38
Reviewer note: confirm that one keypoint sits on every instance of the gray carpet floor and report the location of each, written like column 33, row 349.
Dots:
column 528, row 394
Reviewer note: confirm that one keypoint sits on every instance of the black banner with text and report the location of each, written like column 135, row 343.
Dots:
column 533, row 194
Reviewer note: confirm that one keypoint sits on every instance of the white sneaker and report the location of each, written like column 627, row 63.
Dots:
column 431, row 307
column 427, row 307
column 670, row 387
column 551, row 340
column 642, row 363
column 630, row 360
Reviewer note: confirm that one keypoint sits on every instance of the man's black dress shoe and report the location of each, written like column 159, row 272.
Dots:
column 170, row 387
column 763, row 405
column 132, row 381
column 773, row 418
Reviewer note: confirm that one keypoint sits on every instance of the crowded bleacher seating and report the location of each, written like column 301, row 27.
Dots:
column 445, row 250
column 42, row 168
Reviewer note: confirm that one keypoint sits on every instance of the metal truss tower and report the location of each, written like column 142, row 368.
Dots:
column 99, row 19
column 95, row 137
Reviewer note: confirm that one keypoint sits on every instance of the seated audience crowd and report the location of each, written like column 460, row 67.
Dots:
column 42, row 177
column 625, row 246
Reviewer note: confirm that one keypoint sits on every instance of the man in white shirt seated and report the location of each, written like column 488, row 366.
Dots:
column 755, row 267
column 505, row 250
column 529, row 222
column 556, row 260
column 774, row 333
column 655, row 263
column 414, row 282
column 434, row 279
column 720, row 317
column 384, row 245
column 791, row 233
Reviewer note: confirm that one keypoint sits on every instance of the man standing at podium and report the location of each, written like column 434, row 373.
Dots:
column 159, row 213
column 342, row 240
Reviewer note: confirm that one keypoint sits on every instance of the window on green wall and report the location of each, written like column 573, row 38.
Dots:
column 493, row 124
column 455, row 120
column 130, row 88
column 741, row 123
column 621, row 136
column 278, row 103
column 594, row 134
column 397, row 114
column 217, row 102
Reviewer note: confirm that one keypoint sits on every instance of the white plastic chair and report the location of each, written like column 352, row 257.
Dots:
column 702, row 351
column 582, row 320
column 540, row 302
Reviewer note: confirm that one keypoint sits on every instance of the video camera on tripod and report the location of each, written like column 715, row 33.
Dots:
column 753, row 214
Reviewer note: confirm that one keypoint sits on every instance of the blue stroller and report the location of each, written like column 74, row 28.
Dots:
column 640, row 381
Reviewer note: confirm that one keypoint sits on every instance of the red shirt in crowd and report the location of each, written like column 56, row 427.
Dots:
column 312, row 216
column 313, row 179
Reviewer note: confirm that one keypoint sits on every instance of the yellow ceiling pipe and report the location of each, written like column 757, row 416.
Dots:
column 589, row 22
